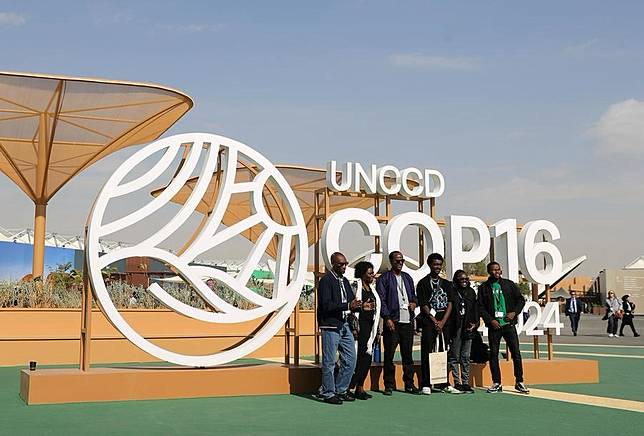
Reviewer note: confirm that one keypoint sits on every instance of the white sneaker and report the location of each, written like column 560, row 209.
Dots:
column 452, row 390
column 426, row 390
column 610, row 335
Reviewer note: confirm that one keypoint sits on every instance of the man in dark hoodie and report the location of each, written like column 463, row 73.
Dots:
column 500, row 305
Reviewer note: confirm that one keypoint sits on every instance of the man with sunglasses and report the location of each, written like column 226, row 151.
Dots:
column 336, row 300
column 398, row 302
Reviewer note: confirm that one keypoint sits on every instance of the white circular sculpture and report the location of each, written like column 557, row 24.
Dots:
column 286, row 289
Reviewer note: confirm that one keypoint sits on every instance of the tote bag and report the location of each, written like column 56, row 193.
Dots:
column 438, row 362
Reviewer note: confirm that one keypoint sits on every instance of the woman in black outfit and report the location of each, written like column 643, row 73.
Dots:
column 368, row 322
column 627, row 318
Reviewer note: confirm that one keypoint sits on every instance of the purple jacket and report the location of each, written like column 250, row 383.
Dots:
column 387, row 288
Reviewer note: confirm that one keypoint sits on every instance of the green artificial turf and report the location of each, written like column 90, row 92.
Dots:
column 478, row 414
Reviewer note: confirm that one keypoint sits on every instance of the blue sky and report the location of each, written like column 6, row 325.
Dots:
column 531, row 110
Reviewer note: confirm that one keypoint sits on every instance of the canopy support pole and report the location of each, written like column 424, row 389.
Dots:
column 86, row 315
column 40, row 218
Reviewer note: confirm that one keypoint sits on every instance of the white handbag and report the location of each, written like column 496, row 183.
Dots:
column 438, row 362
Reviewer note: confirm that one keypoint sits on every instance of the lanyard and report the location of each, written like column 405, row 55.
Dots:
column 497, row 297
column 401, row 290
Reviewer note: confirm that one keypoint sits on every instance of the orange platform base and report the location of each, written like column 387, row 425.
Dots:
column 51, row 386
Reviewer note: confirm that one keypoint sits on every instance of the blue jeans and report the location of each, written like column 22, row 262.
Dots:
column 334, row 341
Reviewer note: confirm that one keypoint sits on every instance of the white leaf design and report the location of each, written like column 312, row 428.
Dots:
column 286, row 292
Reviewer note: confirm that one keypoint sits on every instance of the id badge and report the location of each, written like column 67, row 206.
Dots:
column 432, row 312
column 499, row 314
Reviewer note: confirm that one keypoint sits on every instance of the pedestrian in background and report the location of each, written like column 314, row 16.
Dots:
column 574, row 308
column 613, row 313
column 627, row 318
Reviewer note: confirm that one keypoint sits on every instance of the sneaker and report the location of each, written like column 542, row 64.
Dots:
column 610, row 335
column 388, row 392
column 346, row 397
column 621, row 334
column 520, row 387
column 412, row 390
column 636, row 335
column 467, row 389
column 451, row 390
column 426, row 390
column 496, row 387
column 333, row 400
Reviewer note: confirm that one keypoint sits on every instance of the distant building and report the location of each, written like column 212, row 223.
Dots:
column 582, row 285
column 627, row 280
column 16, row 254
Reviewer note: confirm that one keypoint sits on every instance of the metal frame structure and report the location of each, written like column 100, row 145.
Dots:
column 322, row 202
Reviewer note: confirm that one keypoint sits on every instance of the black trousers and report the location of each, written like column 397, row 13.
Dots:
column 403, row 335
column 509, row 334
column 574, row 321
column 364, row 359
column 627, row 321
column 427, row 342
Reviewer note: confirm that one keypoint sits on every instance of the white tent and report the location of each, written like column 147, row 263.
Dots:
column 637, row 263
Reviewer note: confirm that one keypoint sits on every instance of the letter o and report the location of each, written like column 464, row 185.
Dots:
column 330, row 240
column 434, row 242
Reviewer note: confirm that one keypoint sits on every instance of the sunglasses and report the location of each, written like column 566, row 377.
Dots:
column 398, row 260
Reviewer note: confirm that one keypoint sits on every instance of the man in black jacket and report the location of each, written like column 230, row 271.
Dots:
column 500, row 304
column 435, row 299
column 336, row 300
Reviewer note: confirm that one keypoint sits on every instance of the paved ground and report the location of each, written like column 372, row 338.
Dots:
column 592, row 330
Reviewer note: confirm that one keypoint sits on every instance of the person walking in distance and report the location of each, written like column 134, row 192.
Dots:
column 574, row 308
column 613, row 312
column 336, row 301
column 627, row 318
column 500, row 305
column 398, row 302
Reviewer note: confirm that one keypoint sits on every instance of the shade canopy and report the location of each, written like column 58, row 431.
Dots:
column 303, row 180
column 53, row 127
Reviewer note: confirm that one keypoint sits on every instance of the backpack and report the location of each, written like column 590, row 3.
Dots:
column 480, row 350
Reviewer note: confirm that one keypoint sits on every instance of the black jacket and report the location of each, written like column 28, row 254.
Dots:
column 471, row 309
column 514, row 301
column 580, row 306
column 425, row 292
column 330, row 305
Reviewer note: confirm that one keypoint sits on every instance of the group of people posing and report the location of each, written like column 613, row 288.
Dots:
column 448, row 312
